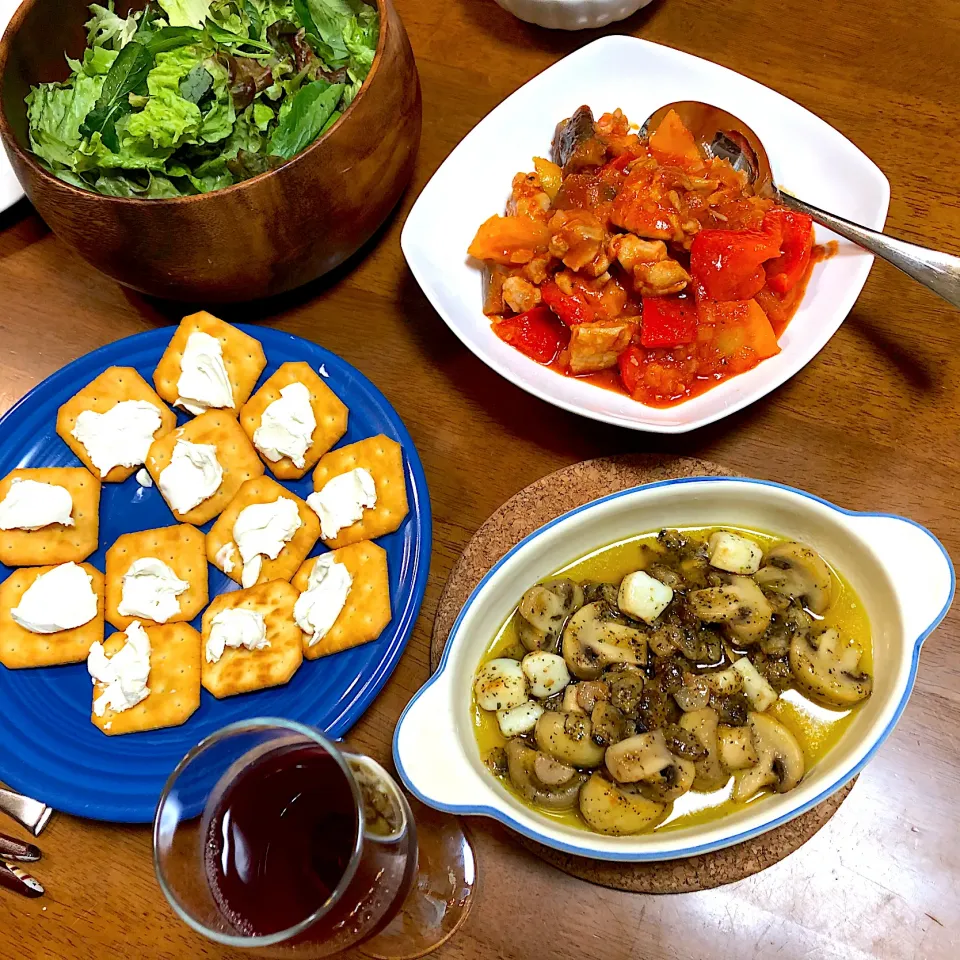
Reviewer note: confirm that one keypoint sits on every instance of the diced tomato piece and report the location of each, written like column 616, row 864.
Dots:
column 796, row 243
column 672, row 142
column 739, row 330
column 537, row 333
column 668, row 321
column 570, row 309
column 726, row 264
column 630, row 363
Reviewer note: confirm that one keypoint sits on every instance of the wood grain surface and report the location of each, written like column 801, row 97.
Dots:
column 871, row 423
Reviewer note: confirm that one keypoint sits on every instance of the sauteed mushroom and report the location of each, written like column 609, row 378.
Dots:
column 575, row 751
column 617, row 809
column 780, row 759
column 796, row 570
column 829, row 669
column 544, row 608
column 739, row 605
column 703, row 725
column 592, row 641
column 523, row 764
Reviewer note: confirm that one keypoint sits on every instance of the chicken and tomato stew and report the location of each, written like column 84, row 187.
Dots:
column 641, row 263
column 673, row 676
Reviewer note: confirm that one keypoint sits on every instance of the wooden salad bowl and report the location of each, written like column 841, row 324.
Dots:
column 257, row 238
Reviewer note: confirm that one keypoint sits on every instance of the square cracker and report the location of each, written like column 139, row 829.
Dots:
column 180, row 547
column 242, row 356
column 56, row 543
column 234, row 451
column 240, row 670
column 174, row 681
column 367, row 610
column 264, row 490
column 383, row 457
column 110, row 388
column 21, row 648
column 329, row 411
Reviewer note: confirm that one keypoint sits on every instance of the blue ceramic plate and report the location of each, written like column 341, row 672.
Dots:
column 49, row 749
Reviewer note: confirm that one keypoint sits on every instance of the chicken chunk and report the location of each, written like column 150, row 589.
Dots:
column 576, row 237
column 596, row 346
column 659, row 279
column 631, row 251
column 520, row 295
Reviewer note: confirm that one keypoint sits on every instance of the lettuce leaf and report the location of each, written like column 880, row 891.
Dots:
column 167, row 120
column 123, row 185
column 106, row 29
column 54, row 114
column 360, row 36
column 302, row 119
column 186, row 13
column 220, row 116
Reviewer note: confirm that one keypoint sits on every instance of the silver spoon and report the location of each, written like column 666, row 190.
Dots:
column 721, row 134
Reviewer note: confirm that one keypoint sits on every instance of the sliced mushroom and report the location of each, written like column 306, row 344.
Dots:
column 626, row 689
column 591, row 692
column 592, row 641
column 643, row 597
column 795, row 570
column 739, row 605
column 694, row 694
column 521, row 768
column 551, row 772
column 737, row 750
column 779, row 759
column 570, row 702
column 828, row 669
column 734, row 553
column 617, row 809
column 546, row 672
column 703, row 725
column 500, row 684
column 607, row 724
column 574, row 750
column 638, row 758
column 671, row 782
column 543, row 610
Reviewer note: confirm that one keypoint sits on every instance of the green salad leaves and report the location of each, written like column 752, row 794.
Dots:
column 190, row 96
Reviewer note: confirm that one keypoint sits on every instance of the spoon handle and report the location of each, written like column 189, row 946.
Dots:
column 934, row 269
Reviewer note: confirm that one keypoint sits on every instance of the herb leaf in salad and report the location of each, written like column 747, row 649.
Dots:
column 191, row 96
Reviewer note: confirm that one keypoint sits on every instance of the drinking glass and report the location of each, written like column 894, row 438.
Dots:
column 271, row 838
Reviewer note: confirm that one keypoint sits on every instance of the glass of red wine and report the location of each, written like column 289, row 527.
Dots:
column 272, row 838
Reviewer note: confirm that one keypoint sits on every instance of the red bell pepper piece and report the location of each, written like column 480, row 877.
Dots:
column 571, row 309
column 631, row 367
column 726, row 264
column 668, row 321
column 796, row 243
column 537, row 334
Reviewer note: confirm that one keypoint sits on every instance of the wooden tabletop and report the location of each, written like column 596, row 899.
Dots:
column 872, row 424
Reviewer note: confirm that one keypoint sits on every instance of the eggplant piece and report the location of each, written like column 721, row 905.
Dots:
column 493, row 276
column 571, row 133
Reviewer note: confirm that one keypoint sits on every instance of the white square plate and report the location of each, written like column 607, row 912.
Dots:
column 808, row 156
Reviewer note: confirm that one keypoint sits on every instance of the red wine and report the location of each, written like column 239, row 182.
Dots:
column 280, row 839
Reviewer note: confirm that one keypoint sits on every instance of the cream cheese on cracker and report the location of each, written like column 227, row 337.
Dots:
column 226, row 557
column 342, row 501
column 203, row 383
column 318, row 607
column 193, row 474
column 261, row 530
column 125, row 673
column 32, row 505
column 60, row 599
column 120, row 437
column 236, row 627
column 150, row 590
column 287, row 425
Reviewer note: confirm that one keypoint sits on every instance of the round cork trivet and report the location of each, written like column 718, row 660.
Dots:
column 545, row 500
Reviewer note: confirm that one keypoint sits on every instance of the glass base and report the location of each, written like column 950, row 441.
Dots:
column 442, row 893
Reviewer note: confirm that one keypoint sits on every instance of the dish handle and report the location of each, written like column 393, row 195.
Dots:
column 430, row 761
column 919, row 567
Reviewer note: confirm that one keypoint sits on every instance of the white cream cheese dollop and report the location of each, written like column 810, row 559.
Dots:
column 150, row 590
column 203, row 379
column 226, row 557
column 287, row 425
column 261, row 530
column 318, row 607
column 125, row 673
column 120, row 437
column 144, row 478
column 32, row 505
column 236, row 627
column 193, row 474
column 342, row 501
column 60, row 599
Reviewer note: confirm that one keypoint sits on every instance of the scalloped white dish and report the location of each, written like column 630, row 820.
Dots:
column 900, row 571
column 809, row 157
